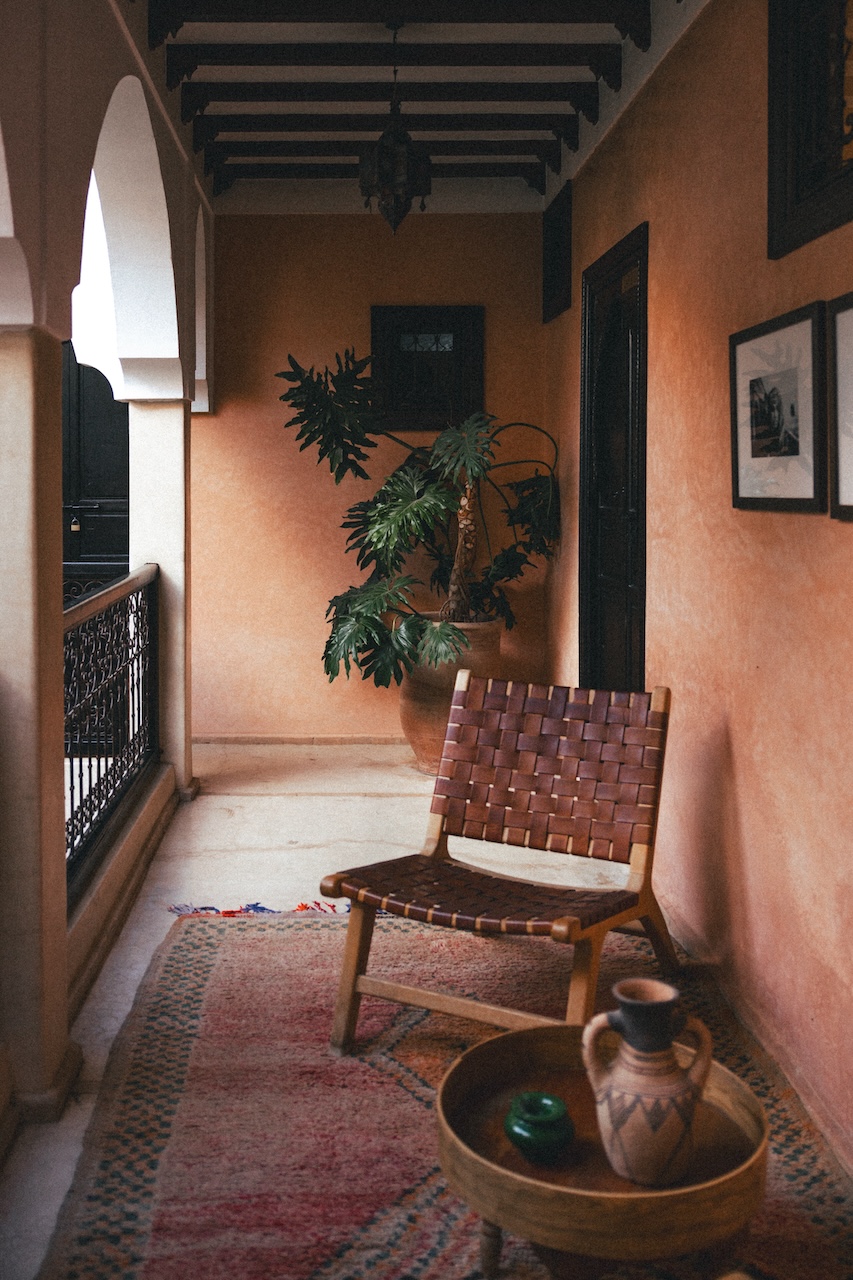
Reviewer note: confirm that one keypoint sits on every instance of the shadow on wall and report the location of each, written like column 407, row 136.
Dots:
column 525, row 653
column 715, row 871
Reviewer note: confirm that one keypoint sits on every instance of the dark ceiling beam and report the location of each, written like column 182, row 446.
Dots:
column 562, row 125
column 632, row 18
column 533, row 174
column 218, row 153
column 197, row 95
column 604, row 60
column 226, row 175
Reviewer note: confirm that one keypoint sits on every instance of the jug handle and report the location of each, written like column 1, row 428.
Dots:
column 592, row 1060
column 698, row 1070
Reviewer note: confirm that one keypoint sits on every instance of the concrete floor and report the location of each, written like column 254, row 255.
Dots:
column 268, row 824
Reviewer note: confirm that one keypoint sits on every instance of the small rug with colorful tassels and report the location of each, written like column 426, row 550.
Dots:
column 227, row 1141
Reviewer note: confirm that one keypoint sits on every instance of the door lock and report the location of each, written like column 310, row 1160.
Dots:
column 75, row 524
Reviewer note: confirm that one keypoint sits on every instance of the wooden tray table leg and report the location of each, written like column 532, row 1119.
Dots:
column 490, row 1249
column 572, row 1266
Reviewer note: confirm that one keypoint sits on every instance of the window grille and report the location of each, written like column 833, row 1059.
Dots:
column 427, row 365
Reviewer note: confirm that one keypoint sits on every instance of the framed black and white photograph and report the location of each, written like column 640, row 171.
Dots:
column 778, row 403
column 840, row 355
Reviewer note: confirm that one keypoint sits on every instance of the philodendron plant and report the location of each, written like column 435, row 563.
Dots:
column 435, row 501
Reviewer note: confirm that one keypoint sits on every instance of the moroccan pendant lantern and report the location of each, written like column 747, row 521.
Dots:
column 394, row 171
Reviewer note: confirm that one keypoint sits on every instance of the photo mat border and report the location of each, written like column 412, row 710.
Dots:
column 811, row 365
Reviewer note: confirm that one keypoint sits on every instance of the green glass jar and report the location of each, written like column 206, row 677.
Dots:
column 539, row 1125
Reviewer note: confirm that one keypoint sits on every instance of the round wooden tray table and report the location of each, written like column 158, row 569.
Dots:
column 580, row 1210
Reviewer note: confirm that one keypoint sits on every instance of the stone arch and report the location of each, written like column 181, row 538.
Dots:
column 132, row 199
column 16, row 295
column 129, row 193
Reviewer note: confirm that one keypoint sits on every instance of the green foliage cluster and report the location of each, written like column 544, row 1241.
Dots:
column 374, row 626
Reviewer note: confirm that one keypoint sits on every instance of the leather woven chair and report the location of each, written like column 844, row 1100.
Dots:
column 571, row 770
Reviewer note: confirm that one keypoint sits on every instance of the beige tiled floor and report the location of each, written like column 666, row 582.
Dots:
column 268, row 823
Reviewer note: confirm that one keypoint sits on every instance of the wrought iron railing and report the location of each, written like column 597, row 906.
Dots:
column 77, row 585
column 111, row 701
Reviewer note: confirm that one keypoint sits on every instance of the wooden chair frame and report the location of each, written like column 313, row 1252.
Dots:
column 614, row 909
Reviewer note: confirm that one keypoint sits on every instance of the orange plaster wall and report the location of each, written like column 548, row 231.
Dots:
column 266, row 539
column 749, row 614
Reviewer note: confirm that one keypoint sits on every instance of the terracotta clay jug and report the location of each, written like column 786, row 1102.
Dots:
column 644, row 1099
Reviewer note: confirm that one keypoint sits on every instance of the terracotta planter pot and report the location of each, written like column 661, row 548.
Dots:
column 426, row 692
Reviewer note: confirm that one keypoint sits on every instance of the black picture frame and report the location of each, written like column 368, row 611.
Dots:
column 809, row 182
column 777, row 373
column 427, row 386
column 557, row 255
column 839, row 326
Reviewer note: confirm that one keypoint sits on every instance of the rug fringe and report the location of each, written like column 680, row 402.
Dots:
column 184, row 909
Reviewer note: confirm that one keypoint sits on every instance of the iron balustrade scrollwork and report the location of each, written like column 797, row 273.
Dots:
column 111, row 702
column 74, row 588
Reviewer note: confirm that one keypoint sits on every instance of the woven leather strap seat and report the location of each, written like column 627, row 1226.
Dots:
column 567, row 771
column 459, row 897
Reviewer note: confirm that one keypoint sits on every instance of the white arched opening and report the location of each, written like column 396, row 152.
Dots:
column 125, row 323
column 201, row 400
column 16, row 295
column 131, row 333
column 136, row 229
column 93, row 319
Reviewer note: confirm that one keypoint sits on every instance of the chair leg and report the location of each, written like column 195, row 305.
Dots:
column 658, row 935
column 356, row 951
column 584, row 980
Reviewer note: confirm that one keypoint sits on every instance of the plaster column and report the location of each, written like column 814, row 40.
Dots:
column 33, row 973
column 159, row 532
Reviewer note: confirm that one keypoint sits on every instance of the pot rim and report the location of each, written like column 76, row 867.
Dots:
column 435, row 617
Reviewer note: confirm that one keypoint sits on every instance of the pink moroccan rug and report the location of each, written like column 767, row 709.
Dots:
column 228, row 1142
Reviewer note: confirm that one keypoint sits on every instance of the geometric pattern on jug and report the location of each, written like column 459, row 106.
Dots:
column 655, row 1110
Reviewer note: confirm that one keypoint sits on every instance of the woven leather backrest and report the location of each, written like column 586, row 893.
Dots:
column 571, row 770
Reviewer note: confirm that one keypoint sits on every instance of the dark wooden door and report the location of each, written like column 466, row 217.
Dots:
column 613, row 468
column 95, row 479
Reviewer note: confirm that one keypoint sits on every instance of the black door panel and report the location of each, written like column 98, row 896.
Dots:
column 95, row 480
column 613, row 455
